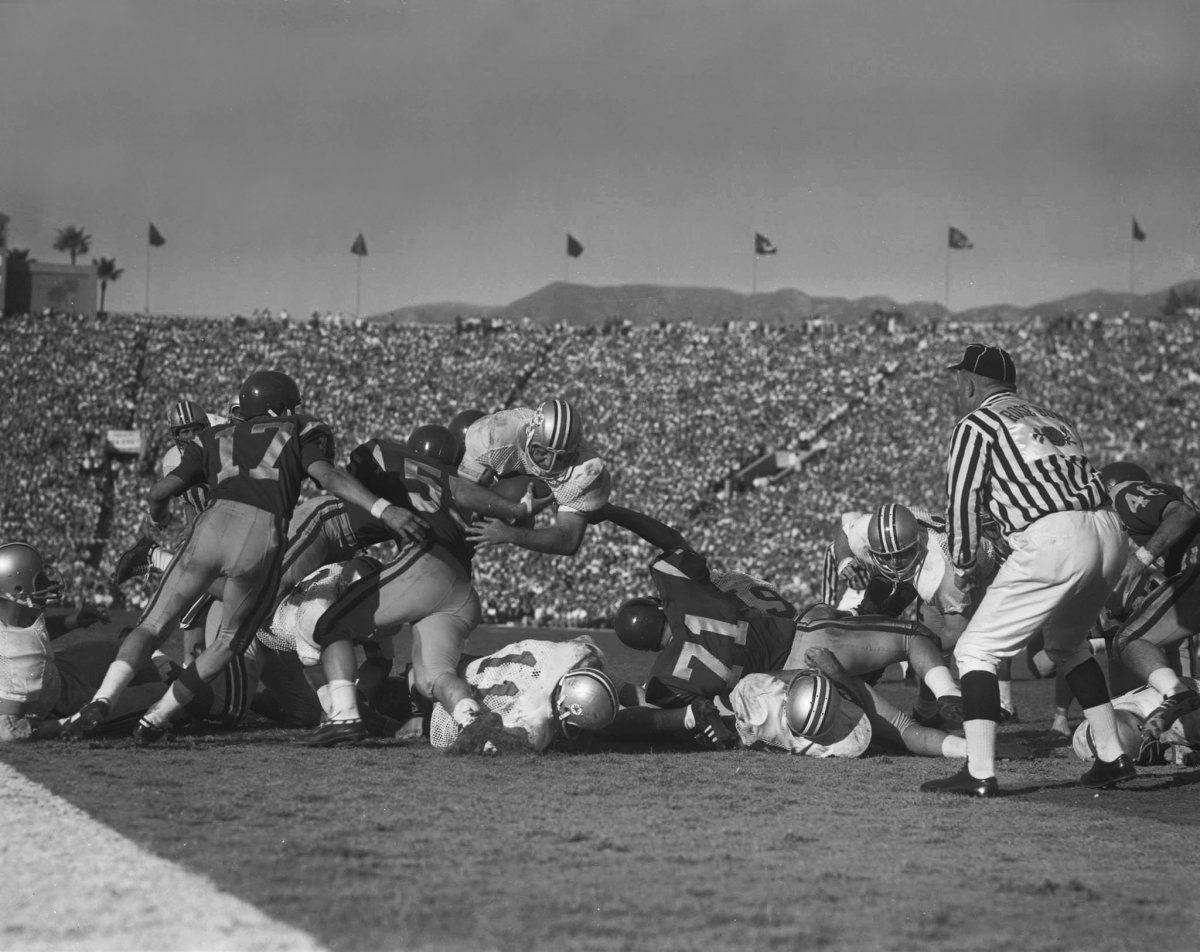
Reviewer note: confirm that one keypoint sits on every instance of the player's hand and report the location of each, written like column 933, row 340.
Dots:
column 487, row 532
column 968, row 576
column 532, row 503
column 161, row 520
column 1133, row 571
column 405, row 525
column 825, row 661
column 854, row 573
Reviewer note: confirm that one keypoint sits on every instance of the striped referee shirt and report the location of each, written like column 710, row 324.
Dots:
column 1022, row 462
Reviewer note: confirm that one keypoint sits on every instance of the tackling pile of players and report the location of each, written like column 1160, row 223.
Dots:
column 290, row 606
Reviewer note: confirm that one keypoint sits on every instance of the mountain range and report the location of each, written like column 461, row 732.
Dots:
column 640, row 304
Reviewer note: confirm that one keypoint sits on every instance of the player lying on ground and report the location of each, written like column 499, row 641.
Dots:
column 710, row 632
column 825, row 711
column 1178, row 744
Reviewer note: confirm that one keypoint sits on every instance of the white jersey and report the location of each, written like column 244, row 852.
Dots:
column 935, row 581
column 758, row 703
column 292, row 626
column 28, row 674
column 495, row 444
column 518, row 683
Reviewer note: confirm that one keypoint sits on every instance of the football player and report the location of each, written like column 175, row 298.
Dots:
column 1165, row 525
column 895, row 556
column 427, row 585
column 1179, row 743
column 254, row 470
column 546, row 443
column 708, row 636
column 823, row 710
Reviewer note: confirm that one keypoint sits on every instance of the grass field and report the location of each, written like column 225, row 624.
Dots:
column 388, row 846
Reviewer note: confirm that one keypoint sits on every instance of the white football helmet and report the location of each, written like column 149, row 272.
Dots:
column 25, row 578
column 894, row 542
column 554, row 435
column 585, row 700
column 186, row 418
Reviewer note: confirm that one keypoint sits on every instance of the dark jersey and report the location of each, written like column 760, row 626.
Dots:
column 261, row 462
column 417, row 483
column 715, row 637
column 1142, row 507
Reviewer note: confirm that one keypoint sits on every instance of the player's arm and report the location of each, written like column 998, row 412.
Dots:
column 1180, row 518
column 87, row 615
column 563, row 537
column 401, row 522
column 658, row 534
column 487, row 502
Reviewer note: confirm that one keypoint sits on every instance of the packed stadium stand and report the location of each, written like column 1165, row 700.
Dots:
column 674, row 409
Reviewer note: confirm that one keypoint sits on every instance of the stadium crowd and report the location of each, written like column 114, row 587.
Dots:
column 673, row 409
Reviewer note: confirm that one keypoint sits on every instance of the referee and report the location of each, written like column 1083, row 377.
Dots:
column 1025, row 465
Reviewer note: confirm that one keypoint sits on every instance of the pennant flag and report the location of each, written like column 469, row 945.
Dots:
column 959, row 240
column 156, row 239
column 763, row 245
column 574, row 248
column 359, row 247
column 1138, row 234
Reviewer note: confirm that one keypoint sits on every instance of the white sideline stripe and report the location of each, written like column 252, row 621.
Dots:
column 71, row 883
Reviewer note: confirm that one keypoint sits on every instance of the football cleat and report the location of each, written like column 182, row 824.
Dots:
column 24, row 576
column 950, row 712
column 711, row 732
column 1169, row 711
column 641, row 624
column 894, row 542
column 332, row 733
column 964, row 785
column 86, row 720
column 145, row 733
column 135, row 561
column 376, row 723
column 1008, row 715
column 1107, row 773
column 268, row 392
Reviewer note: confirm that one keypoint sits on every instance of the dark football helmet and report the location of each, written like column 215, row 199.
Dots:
column 894, row 542
column 1123, row 471
column 585, row 700
column 458, row 426
column 268, row 392
column 554, row 435
column 24, row 576
column 436, row 442
column 186, row 418
column 640, row 623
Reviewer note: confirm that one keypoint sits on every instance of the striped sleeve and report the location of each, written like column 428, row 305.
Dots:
column 829, row 577
column 967, row 472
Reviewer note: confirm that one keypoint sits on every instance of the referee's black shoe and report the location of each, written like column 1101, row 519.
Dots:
column 963, row 785
column 1106, row 773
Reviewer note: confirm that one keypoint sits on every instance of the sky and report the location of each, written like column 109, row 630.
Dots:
column 465, row 138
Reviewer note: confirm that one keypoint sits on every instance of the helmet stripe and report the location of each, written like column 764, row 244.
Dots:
column 814, row 722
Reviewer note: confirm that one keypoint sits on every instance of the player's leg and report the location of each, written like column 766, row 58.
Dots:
column 891, row 725
column 284, row 681
column 249, row 559
column 1166, row 618
column 188, row 574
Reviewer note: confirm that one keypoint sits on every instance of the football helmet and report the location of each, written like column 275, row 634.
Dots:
column 1123, row 471
column 461, row 422
column 585, row 700
column 554, row 435
column 641, row 624
column 186, row 418
column 811, row 705
column 1129, row 734
column 894, row 542
column 436, row 442
column 268, row 392
column 24, row 576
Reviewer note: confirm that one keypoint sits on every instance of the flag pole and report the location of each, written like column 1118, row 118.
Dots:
column 754, row 272
column 1132, row 244
column 947, row 298
column 358, row 289
column 147, row 277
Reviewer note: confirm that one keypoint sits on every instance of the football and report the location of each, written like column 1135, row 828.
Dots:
column 513, row 488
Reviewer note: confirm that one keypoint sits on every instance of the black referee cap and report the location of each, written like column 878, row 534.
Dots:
column 988, row 361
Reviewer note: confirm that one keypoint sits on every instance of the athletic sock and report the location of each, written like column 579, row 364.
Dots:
column 343, row 701
column 941, row 682
column 981, row 748
column 1103, row 721
column 1165, row 681
column 1006, row 700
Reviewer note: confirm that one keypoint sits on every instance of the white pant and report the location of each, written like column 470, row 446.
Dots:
column 1061, row 570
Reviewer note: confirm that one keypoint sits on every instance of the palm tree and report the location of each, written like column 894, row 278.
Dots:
column 106, row 271
column 73, row 241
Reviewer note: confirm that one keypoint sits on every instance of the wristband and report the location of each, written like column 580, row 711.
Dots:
column 379, row 507
column 1144, row 555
